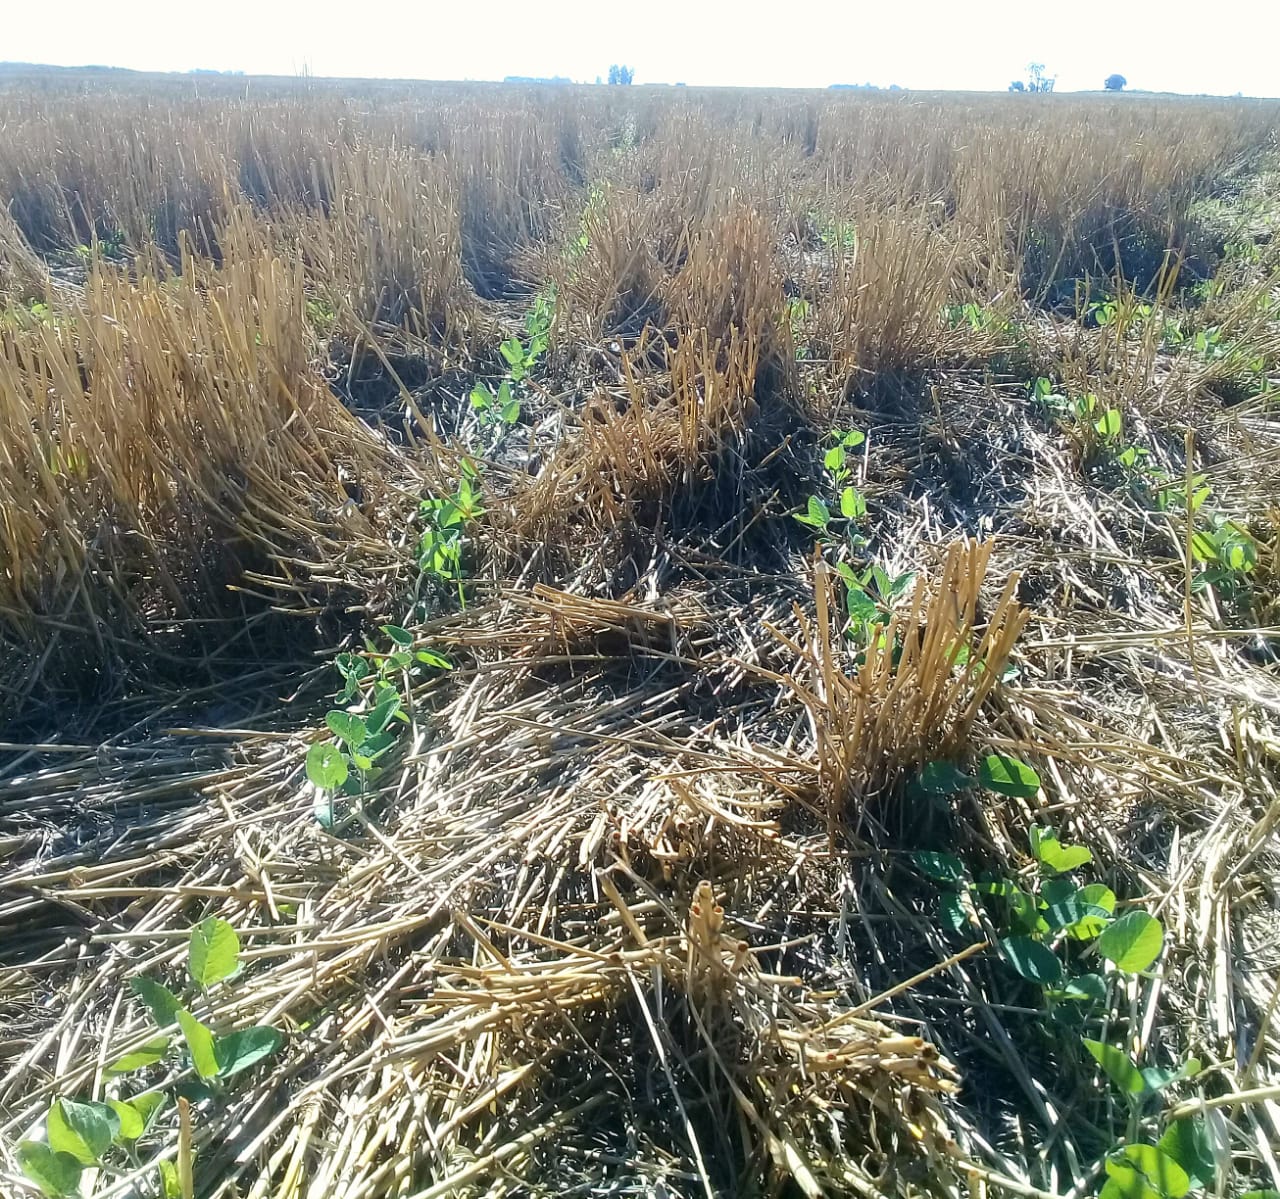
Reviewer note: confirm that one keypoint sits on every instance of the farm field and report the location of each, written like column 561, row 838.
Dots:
column 637, row 641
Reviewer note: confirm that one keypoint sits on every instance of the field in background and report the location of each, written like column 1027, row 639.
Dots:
column 704, row 642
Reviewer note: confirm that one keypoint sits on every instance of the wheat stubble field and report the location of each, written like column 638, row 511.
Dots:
column 625, row 641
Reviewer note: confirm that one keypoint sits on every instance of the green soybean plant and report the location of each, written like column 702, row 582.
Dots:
column 870, row 595
column 1047, row 923
column 443, row 521
column 522, row 355
column 87, row 1134
column 850, row 504
column 347, row 764
column 495, row 409
column 1227, row 554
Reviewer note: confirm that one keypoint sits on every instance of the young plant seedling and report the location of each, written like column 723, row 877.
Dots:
column 83, row 1134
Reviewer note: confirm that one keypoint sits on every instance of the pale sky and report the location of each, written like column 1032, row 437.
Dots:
column 1175, row 45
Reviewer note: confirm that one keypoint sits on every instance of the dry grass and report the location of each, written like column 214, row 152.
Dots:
column 628, row 908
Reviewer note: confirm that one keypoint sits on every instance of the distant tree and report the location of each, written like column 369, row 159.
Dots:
column 1115, row 83
column 1017, row 86
column 621, row 75
column 1038, row 81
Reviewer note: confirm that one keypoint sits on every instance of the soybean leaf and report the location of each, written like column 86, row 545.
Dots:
column 951, row 911
column 861, row 607
column 239, row 1050
column 55, row 1173
column 1054, row 856
column 943, row 778
column 1072, row 913
column 170, row 1187
column 200, row 1042
column 1126, row 1182
column 83, row 1129
column 429, row 657
column 853, row 506
column 1187, row 1142
column 833, row 459
column 1098, row 897
column 1083, row 988
column 1168, row 1178
column 1008, row 776
column 347, row 727
column 1118, row 1066
column 148, row 1105
column 1109, row 424
column 941, row 867
column 1265, row 1193
column 131, row 1122
column 374, row 747
column 387, row 706
column 1024, row 915
column 214, row 953
column 153, row 1051
column 1132, row 942
column 1056, row 890
column 162, row 1003
column 326, row 767
column 401, row 637
column 817, row 514
column 1032, row 960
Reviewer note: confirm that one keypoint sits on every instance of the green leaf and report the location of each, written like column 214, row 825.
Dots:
column 214, row 953
column 1132, row 942
column 347, row 727
column 833, row 459
column 131, row 1122
column 1008, row 776
column 148, row 1106
column 1119, row 1068
column 860, row 606
column 852, row 504
column 941, row 867
column 1059, row 858
column 1070, row 912
column 1160, row 1170
column 239, row 1050
column 162, row 1003
column 511, row 412
column 1203, row 548
column 1032, row 960
column 326, row 767
column 383, row 711
column 401, row 637
column 170, row 1187
column 817, row 513
column 1102, row 902
column 1125, row 1182
column 943, row 778
column 429, row 657
column 899, row 587
column 200, row 1043
column 55, row 1173
column 1109, row 424
column 153, row 1051
column 375, row 747
column 1083, row 988
column 83, row 1129
column 951, row 911
column 1265, row 1193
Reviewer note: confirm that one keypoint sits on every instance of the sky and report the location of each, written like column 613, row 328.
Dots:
column 1174, row 46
